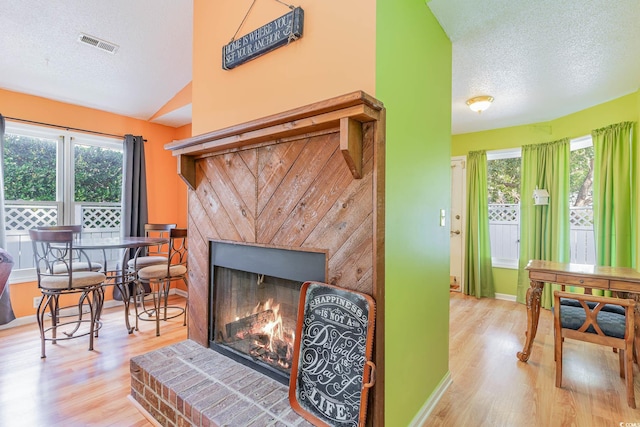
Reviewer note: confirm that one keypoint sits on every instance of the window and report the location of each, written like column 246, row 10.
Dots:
column 582, row 237
column 503, row 182
column 55, row 177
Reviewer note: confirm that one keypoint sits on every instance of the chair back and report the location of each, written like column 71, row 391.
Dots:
column 158, row 230
column 53, row 248
column 599, row 320
column 80, row 256
column 76, row 229
column 178, row 250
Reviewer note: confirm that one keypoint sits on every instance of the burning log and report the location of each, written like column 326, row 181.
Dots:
column 252, row 324
column 278, row 353
column 262, row 336
column 281, row 348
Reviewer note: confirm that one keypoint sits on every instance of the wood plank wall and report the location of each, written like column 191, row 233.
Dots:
column 295, row 194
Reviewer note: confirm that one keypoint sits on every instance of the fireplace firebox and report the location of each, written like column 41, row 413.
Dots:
column 254, row 302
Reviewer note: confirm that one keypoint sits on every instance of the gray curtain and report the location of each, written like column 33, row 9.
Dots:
column 134, row 187
column 6, row 261
column 134, row 193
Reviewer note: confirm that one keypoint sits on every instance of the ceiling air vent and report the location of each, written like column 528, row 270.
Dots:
column 97, row 43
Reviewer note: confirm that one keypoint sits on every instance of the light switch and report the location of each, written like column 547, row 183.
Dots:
column 443, row 218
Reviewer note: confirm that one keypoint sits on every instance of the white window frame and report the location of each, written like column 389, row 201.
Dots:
column 575, row 144
column 581, row 142
column 65, row 162
column 65, row 168
column 509, row 153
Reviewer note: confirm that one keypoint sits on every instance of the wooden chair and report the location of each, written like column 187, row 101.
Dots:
column 599, row 320
column 54, row 261
column 159, row 277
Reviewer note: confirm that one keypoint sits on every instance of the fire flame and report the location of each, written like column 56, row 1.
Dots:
column 276, row 335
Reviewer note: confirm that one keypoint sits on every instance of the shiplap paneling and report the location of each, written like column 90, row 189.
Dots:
column 296, row 194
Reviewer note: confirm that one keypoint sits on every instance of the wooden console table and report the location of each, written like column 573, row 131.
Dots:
column 621, row 280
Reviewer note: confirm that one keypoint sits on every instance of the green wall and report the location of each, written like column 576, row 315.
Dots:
column 413, row 80
column 505, row 280
column 581, row 123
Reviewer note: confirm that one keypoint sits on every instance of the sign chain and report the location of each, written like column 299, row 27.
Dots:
column 288, row 5
column 291, row 37
column 243, row 19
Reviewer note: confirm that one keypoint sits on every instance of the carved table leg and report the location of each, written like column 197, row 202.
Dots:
column 533, row 315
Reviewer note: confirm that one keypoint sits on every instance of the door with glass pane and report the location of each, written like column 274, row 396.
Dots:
column 458, row 194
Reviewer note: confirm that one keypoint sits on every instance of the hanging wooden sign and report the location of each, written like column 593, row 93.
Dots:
column 332, row 369
column 273, row 35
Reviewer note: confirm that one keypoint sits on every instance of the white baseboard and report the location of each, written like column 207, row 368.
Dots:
column 179, row 292
column 27, row 320
column 421, row 417
column 506, row 297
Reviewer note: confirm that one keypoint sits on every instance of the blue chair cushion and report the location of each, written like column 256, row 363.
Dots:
column 612, row 324
column 612, row 308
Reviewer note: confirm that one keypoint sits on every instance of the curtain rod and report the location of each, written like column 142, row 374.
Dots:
column 65, row 127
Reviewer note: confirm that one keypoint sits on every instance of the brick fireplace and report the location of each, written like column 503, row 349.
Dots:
column 309, row 179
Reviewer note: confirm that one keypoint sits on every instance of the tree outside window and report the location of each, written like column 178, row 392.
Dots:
column 503, row 181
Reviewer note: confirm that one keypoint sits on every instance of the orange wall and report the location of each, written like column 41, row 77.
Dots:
column 335, row 55
column 166, row 192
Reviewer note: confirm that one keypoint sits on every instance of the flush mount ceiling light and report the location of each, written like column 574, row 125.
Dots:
column 480, row 103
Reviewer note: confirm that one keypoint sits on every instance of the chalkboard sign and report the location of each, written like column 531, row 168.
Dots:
column 331, row 372
column 277, row 33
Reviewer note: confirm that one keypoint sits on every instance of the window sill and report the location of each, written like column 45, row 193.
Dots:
column 509, row 264
column 23, row 276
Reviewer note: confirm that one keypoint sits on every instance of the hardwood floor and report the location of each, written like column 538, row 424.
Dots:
column 74, row 386
column 77, row 387
column 491, row 387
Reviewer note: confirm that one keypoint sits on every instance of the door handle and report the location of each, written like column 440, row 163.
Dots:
column 455, row 232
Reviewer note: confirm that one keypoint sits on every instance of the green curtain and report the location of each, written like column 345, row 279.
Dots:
column 478, row 271
column 614, row 195
column 544, row 229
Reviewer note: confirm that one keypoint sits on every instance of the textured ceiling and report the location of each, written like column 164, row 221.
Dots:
column 41, row 55
column 539, row 59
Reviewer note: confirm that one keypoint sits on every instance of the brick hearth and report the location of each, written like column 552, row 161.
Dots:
column 187, row 384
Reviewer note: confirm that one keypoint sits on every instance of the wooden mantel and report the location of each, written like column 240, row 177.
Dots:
column 344, row 113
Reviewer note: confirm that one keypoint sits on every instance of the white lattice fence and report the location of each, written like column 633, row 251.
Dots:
column 504, row 231
column 504, row 214
column 100, row 217
column 99, row 220
column 581, row 218
column 21, row 217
